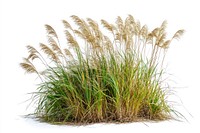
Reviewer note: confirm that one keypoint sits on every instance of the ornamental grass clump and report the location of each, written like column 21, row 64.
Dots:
column 98, row 77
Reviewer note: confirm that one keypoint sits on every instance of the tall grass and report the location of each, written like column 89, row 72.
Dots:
column 110, row 78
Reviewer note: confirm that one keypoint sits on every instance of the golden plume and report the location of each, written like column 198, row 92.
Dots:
column 73, row 43
column 51, row 31
column 50, row 53
column 28, row 66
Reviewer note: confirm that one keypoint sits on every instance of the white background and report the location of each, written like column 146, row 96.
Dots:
column 22, row 23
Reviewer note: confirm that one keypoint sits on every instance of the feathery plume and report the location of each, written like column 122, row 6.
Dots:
column 31, row 49
column 67, row 52
column 108, row 26
column 28, row 66
column 144, row 31
column 54, row 45
column 166, row 44
column 51, row 31
column 120, row 24
column 67, row 25
column 178, row 34
column 49, row 52
column 71, row 40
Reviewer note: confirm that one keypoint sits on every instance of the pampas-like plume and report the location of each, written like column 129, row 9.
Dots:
column 108, row 43
column 166, row 44
column 163, row 27
column 31, row 49
column 32, row 52
column 120, row 24
column 72, row 42
column 160, row 39
column 28, row 66
column 95, row 28
column 92, row 24
column 33, row 56
column 84, row 29
column 54, row 45
column 131, row 19
column 51, row 31
column 50, row 53
column 178, row 34
column 67, row 52
column 77, row 21
column 144, row 31
column 79, row 34
column 137, row 27
column 67, row 25
column 155, row 32
column 108, row 26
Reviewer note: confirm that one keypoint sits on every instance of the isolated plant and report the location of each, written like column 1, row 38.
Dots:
column 96, row 77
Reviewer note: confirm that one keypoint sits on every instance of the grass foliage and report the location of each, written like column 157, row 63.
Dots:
column 116, row 77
